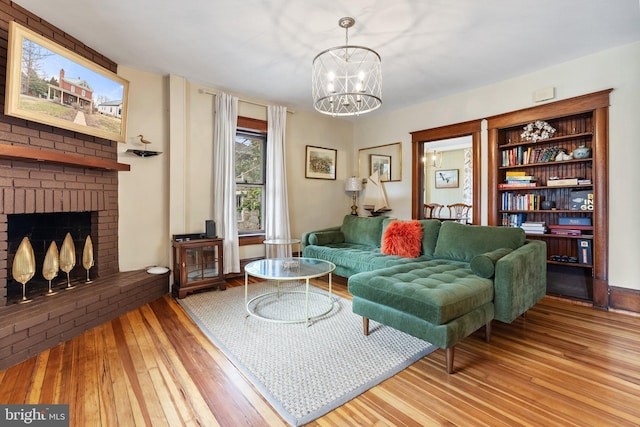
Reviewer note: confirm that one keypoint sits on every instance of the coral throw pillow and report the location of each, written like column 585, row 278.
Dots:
column 402, row 238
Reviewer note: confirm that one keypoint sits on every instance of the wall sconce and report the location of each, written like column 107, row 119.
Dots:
column 354, row 185
column 145, row 152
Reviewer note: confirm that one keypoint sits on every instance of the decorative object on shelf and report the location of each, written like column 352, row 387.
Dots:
column 537, row 131
column 563, row 156
column 375, row 198
column 87, row 256
column 354, row 185
column 581, row 152
column 145, row 152
column 24, row 265
column 51, row 265
column 346, row 80
column 320, row 163
column 68, row 258
column 547, row 205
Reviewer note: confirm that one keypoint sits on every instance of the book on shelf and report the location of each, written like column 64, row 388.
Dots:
column 516, row 184
column 533, row 227
column 515, row 173
column 513, row 220
column 585, row 254
column 584, row 181
column 574, row 220
column 521, row 178
column 556, row 182
column 570, row 227
column 565, row 232
column 581, row 200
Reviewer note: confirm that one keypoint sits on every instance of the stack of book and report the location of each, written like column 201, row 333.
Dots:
column 519, row 179
column 534, row 227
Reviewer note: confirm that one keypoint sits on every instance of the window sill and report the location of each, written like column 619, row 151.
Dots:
column 251, row 239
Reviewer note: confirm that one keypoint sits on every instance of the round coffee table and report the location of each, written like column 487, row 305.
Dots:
column 288, row 269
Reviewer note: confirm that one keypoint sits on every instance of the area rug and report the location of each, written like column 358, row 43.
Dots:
column 303, row 371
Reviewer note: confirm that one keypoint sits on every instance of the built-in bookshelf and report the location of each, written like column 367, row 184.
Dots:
column 553, row 195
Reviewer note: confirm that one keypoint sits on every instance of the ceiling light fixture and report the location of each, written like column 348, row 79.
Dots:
column 347, row 80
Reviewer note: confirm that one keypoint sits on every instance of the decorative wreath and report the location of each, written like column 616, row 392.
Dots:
column 537, row 131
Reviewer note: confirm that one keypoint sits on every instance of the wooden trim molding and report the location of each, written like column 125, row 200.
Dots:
column 472, row 128
column 624, row 299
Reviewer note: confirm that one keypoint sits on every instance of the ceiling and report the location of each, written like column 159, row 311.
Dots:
column 263, row 49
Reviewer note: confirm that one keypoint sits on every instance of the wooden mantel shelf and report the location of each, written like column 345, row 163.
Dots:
column 17, row 152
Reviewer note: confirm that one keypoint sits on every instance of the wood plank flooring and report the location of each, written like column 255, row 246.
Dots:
column 564, row 365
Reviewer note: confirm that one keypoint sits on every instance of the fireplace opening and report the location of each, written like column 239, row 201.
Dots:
column 42, row 229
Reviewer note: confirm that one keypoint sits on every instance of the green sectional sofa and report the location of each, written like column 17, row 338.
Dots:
column 464, row 277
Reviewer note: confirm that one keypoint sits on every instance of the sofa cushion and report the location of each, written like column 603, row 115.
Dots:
column 462, row 242
column 437, row 291
column 430, row 230
column 402, row 238
column 484, row 265
column 326, row 237
column 362, row 230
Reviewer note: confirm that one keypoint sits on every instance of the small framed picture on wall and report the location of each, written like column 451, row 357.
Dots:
column 320, row 163
column 382, row 165
column 447, row 178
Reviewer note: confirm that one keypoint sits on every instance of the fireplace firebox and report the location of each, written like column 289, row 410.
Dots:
column 41, row 230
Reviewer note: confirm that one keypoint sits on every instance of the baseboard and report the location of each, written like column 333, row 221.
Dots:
column 624, row 299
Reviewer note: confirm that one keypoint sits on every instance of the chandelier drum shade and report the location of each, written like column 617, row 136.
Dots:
column 347, row 80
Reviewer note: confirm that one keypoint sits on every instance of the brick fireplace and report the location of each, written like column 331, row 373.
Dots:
column 44, row 169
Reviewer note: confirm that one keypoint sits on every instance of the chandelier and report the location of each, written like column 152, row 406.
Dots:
column 346, row 80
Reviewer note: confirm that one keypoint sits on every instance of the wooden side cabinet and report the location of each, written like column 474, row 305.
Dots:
column 198, row 264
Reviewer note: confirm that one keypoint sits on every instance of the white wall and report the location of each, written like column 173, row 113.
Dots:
column 617, row 68
column 171, row 193
column 143, row 193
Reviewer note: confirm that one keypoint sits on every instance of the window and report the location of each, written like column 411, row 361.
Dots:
column 250, row 153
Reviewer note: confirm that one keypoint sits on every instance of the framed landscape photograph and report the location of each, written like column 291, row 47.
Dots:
column 447, row 178
column 382, row 165
column 49, row 84
column 320, row 163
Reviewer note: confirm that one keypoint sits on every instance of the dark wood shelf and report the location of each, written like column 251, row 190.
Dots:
column 544, row 187
column 560, row 236
column 22, row 153
column 547, row 141
column 569, row 264
column 549, row 163
column 547, row 211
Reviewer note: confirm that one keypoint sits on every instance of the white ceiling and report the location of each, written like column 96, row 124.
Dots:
column 264, row 48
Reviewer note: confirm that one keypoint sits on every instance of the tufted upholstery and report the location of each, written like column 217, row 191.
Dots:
column 437, row 291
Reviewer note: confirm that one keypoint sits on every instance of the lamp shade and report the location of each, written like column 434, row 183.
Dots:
column 353, row 184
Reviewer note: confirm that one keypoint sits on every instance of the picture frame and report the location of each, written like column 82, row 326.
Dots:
column 49, row 84
column 381, row 164
column 447, row 178
column 320, row 163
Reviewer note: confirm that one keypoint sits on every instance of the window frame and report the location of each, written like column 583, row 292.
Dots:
column 256, row 127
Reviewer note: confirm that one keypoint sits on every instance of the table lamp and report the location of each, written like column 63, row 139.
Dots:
column 354, row 185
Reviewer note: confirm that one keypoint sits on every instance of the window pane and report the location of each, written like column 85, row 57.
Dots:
column 249, row 203
column 249, row 159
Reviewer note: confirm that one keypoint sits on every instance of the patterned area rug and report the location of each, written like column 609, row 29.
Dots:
column 303, row 371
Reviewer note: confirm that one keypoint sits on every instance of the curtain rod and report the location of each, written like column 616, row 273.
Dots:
column 207, row 92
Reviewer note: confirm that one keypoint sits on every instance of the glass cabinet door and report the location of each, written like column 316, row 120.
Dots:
column 201, row 263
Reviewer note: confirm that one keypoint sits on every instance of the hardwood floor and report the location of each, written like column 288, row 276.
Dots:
column 565, row 364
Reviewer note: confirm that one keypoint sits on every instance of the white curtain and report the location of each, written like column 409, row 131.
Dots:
column 276, row 203
column 224, row 184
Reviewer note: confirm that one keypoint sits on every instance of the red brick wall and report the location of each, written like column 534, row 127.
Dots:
column 35, row 187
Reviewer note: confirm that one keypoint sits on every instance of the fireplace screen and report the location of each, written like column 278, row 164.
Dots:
column 70, row 231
